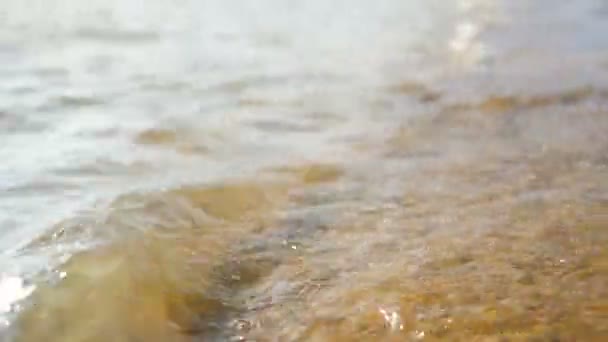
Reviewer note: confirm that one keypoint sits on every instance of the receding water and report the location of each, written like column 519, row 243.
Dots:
column 303, row 170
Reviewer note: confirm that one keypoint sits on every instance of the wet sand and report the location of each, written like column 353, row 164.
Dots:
column 427, row 171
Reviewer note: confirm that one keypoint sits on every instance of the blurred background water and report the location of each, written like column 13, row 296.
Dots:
column 286, row 146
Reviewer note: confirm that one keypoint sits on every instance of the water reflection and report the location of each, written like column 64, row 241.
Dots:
column 465, row 43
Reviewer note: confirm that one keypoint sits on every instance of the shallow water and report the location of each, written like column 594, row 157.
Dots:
column 303, row 171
